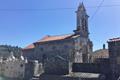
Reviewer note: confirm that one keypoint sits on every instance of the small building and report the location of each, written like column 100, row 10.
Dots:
column 114, row 52
column 100, row 56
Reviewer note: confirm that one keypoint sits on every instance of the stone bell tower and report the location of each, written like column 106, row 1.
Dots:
column 82, row 21
column 84, row 43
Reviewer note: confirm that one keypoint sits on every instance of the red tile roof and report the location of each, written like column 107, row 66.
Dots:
column 114, row 39
column 31, row 46
column 53, row 38
column 49, row 38
column 101, row 53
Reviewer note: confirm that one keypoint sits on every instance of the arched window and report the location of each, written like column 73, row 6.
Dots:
column 83, row 24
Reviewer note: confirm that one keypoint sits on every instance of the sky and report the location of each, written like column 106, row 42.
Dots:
column 23, row 22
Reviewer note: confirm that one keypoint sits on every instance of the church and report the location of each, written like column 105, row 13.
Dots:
column 57, row 53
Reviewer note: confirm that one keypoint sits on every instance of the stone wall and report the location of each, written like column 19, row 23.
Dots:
column 12, row 68
column 114, row 52
column 29, row 54
column 91, row 68
column 55, row 56
column 32, row 68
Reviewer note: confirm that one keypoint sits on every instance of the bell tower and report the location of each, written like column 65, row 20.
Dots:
column 82, row 21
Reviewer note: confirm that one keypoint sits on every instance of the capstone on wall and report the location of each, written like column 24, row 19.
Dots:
column 12, row 67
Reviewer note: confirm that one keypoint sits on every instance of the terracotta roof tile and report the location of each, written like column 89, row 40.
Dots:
column 114, row 39
column 101, row 53
column 53, row 38
column 31, row 46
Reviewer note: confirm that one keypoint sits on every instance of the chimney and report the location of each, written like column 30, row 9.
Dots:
column 103, row 46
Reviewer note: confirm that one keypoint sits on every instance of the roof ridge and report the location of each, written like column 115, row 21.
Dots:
column 60, row 35
column 51, row 38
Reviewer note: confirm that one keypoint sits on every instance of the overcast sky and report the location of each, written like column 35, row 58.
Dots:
column 25, row 21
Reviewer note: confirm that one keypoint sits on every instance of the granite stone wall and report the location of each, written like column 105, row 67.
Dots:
column 55, row 56
column 32, row 68
column 114, row 52
column 91, row 68
column 29, row 54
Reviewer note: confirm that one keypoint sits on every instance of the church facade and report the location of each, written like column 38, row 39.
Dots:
column 57, row 53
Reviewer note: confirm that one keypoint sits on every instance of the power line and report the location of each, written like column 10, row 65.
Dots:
column 57, row 9
column 97, row 9
column 52, row 9
column 104, row 6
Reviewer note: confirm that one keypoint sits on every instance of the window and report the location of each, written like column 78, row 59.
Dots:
column 83, row 22
column 85, row 25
